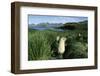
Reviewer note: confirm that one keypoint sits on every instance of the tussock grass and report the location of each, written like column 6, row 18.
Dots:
column 39, row 44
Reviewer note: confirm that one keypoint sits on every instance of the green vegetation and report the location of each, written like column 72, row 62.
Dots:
column 42, row 45
column 75, row 25
column 39, row 47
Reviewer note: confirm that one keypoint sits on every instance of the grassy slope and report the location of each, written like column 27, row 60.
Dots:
column 40, row 42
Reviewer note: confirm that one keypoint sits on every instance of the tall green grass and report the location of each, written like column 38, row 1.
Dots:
column 39, row 44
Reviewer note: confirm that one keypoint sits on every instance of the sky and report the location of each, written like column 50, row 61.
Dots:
column 36, row 19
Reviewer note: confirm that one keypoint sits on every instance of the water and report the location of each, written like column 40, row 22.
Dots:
column 45, row 28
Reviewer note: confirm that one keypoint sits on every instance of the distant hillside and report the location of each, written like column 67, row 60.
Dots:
column 74, row 25
column 44, row 25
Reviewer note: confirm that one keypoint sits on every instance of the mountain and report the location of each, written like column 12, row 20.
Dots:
column 75, row 25
column 60, row 26
column 31, row 26
column 44, row 25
